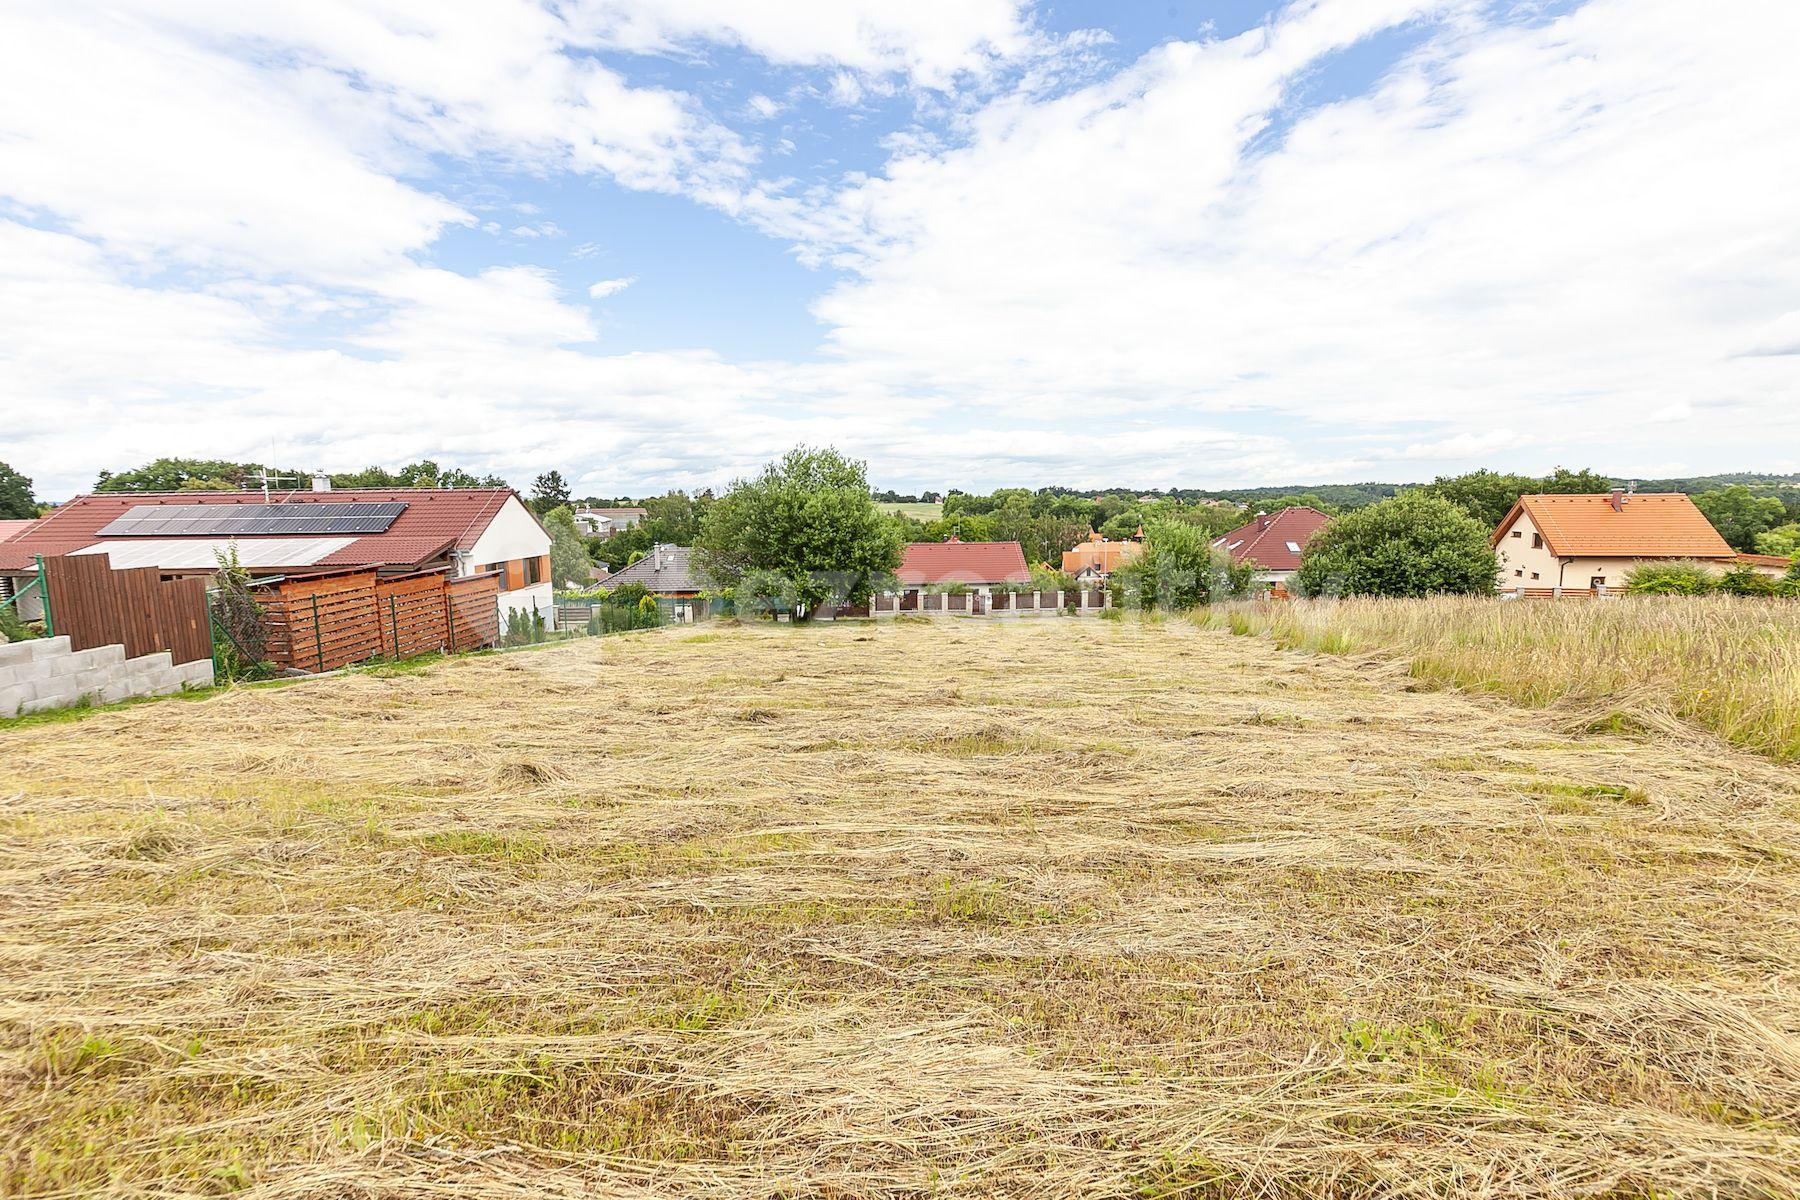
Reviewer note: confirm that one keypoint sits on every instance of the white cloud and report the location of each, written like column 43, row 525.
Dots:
column 929, row 41
column 1567, row 240
column 1545, row 228
column 610, row 287
column 762, row 108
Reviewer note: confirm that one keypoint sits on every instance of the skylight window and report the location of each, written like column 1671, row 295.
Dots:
column 1294, row 547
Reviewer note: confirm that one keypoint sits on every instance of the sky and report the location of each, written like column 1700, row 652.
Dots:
column 979, row 243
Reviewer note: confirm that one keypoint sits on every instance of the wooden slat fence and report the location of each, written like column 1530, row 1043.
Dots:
column 136, row 608
column 473, row 605
column 323, row 622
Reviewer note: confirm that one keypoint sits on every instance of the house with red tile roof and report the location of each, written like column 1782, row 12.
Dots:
column 979, row 566
column 1775, row 566
column 1588, row 542
column 1097, row 558
column 396, row 530
column 1273, row 542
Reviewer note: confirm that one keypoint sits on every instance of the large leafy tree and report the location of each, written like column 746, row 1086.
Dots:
column 1783, row 539
column 807, row 521
column 16, row 500
column 1487, row 495
column 192, row 474
column 1416, row 544
column 1739, row 514
column 424, row 473
column 569, row 562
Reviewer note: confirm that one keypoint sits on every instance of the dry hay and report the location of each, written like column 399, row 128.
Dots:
column 1052, row 908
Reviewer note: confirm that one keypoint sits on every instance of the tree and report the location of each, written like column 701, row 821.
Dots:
column 807, row 519
column 1488, row 495
column 1739, row 514
column 1178, row 568
column 569, row 562
column 191, row 474
column 424, row 473
column 1416, row 544
column 549, row 491
column 1783, row 540
column 16, row 500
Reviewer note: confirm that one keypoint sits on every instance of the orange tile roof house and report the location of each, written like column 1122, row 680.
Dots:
column 471, row 530
column 1588, row 542
column 977, row 565
column 1274, row 542
column 1098, row 558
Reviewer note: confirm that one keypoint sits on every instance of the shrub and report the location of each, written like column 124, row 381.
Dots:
column 237, row 620
column 12, row 629
column 1178, row 569
column 522, row 628
column 626, row 595
column 1415, row 544
column 1746, row 581
column 1678, row 578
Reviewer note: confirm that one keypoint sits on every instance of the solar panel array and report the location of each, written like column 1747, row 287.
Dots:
column 234, row 520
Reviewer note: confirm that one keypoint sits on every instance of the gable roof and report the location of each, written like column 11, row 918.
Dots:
column 1099, row 554
column 12, row 529
column 1646, row 525
column 1274, row 541
column 957, row 561
column 434, row 522
column 667, row 569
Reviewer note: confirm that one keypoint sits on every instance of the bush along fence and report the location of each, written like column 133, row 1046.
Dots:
column 331, row 620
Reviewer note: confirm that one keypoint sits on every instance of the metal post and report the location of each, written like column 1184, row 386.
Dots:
column 44, row 591
column 318, row 637
column 394, row 625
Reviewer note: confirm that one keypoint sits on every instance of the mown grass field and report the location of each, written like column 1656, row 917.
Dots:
column 1053, row 908
column 919, row 512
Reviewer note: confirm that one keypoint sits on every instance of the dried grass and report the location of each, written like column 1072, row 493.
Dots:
column 1728, row 664
column 1051, row 908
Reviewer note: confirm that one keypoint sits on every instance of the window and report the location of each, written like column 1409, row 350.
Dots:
column 1534, row 574
column 1293, row 547
column 1518, row 533
column 1521, row 571
column 1537, row 541
column 534, row 571
column 1598, row 581
column 486, row 568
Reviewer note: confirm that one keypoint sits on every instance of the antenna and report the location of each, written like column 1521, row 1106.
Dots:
column 263, row 475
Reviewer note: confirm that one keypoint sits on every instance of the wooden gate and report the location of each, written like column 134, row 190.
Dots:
column 136, row 608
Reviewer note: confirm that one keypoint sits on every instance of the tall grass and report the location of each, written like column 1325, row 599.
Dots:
column 1728, row 664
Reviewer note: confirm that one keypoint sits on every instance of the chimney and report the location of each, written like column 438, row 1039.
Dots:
column 1262, row 520
column 1618, row 499
column 321, row 482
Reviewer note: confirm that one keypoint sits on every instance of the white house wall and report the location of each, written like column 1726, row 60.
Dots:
column 514, row 533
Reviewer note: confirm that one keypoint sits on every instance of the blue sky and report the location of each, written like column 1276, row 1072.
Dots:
column 978, row 242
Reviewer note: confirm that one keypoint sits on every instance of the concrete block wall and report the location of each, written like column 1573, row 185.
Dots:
column 46, row 673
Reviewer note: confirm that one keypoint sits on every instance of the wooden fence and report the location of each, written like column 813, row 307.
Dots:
column 322, row 622
column 136, row 608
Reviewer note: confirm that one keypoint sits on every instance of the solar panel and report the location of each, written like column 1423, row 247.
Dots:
column 252, row 520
